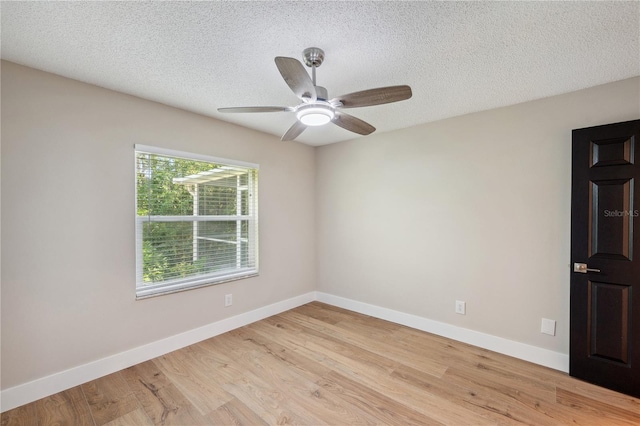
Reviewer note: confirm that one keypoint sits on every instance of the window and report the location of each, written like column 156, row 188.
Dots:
column 196, row 220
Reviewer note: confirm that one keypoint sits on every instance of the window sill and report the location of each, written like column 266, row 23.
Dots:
column 146, row 293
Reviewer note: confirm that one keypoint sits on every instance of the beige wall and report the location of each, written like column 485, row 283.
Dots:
column 474, row 208
column 68, row 275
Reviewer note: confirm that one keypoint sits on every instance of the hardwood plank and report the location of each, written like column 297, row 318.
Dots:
column 302, row 395
column 591, row 408
column 483, row 401
column 193, row 371
column 65, row 408
column 301, row 389
column 319, row 364
column 361, row 336
column 283, row 324
column 286, row 334
column 228, row 351
column 385, row 409
column 317, row 312
column 136, row 417
column 369, row 402
column 442, row 349
column 350, row 316
column 27, row 415
column 266, row 401
column 383, row 382
column 377, row 351
column 160, row 399
column 504, row 382
column 229, row 348
column 331, row 343
column 375, row 373
column 378, row 342
column 598, row 393
column 285, row 354
column 516, row 372
column 235, row 412
column 109, row 398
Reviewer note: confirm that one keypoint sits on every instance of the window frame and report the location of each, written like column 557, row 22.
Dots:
column 182, row 284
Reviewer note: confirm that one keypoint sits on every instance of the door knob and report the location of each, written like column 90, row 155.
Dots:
column 582, row 268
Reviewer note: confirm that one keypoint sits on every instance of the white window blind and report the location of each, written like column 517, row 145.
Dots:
column 196, row 220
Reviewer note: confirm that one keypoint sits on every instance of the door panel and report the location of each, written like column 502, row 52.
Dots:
column 609, row 234
column 605, row 231
column 612, row 152
column 609, row 321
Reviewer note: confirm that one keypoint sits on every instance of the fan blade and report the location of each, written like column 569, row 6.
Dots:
column 256, row 109
column 353, row 124
column 294, row 131
column 297, row 78
column 381, row 95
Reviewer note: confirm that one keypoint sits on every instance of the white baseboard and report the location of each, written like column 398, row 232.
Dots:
column 28, row 392
column 545, row 357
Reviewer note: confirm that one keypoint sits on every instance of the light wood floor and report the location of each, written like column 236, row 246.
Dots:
column 318, row 364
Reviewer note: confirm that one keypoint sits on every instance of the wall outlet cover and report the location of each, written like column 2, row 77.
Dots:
column 548, row 327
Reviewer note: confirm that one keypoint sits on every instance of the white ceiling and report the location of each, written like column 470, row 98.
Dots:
column 458, row 57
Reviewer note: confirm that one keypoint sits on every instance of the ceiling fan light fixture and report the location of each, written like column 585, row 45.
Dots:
column 316, row 108
column 315, row 114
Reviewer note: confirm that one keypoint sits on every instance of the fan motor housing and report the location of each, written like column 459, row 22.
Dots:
column 321, row 93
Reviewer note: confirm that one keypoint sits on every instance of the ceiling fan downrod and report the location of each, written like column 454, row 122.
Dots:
column 313, row 57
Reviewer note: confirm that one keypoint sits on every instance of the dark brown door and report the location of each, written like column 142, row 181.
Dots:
column 605, row 240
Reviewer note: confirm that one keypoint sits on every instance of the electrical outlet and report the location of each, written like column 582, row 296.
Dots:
column 461, row 307
column 548, row 327
column 228, row 300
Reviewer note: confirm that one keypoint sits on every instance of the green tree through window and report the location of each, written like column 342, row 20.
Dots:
column 194, row 219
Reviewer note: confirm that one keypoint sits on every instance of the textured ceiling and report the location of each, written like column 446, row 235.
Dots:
column 458, row 57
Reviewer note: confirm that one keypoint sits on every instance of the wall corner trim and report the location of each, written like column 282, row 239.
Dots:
column 31, row 391
column 534, row 354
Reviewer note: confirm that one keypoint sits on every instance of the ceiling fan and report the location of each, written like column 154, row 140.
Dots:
column 316, row 109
